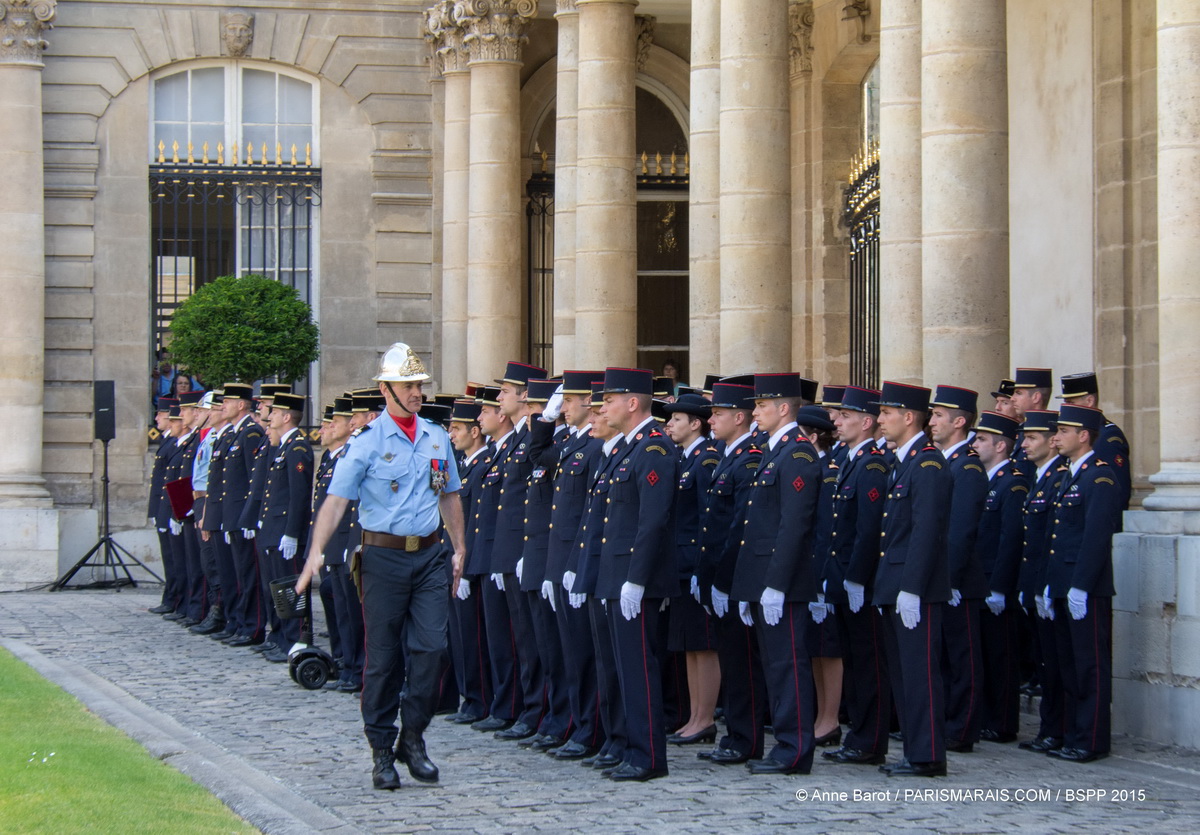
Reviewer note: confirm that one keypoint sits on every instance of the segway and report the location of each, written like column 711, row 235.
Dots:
column 308, row 665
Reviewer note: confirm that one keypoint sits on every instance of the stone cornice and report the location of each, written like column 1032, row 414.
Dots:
column 494, row 29
column 800, row 24
column 22, row 23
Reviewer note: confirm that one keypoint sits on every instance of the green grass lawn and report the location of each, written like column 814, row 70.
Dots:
column 64, row 770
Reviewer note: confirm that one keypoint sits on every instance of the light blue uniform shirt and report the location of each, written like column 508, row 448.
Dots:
column 203, row 461
column 389, row 476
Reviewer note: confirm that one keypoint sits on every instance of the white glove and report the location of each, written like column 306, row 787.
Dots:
column 696, row 588
column 260, row 524
column 772, row 605
column 568, row 580
column 247, row 533
column 228, row 538
column 720, row 602
column 955, row 597
column 576, row 600
column 666, row 602
column 1040, row 603
column 520, row 566
column 818, row 610
column 744, row 613
column 162, row 530
column 176, row 527
column 464, row 589
column 631, row 599
column 1021, row 599
column 553, row 407
column 995, row 602
column 1077, row 603
column 548, row 594
column 498, row 579
column 909, row 607
column 857, row 594
column 287, row 546
column 150, row 521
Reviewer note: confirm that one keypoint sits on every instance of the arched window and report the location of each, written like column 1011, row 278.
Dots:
column 234, row 182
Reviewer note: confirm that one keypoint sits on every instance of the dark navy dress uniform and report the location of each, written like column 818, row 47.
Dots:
column 239, row 452
column 179, row 463
column 158, row 510
column 824, row 641
column 210, row 521
column 579, row 455
column 286, row 509
column 469, row 639
column 854, row 548
column 638, row 547
column 912, row 558
column 776, row 551
column 347, row 605
column 691, row 628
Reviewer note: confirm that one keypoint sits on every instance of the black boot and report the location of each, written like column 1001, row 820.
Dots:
column 384, row 774
column 214, row 622
column 410, row 750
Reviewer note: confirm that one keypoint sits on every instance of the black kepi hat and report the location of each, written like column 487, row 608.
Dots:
column 1085, row 417
column 465, row 411
column 580, row 382
column 995, row 423
column 691, row 404
column 1040, row 420
column 241, row 391
column 541, row 391
column 437, row 412
column 732, row 396
column 858, row 399
column 814, row 417
column 772, row 386
column 1005, row 389
column 954, row 397
column 519, row 373
column 1079, row 385
column 191, row 398
column 904, row 396
column 287, row 400
column 831, row 396
column 1033, row 378
column 628, row 381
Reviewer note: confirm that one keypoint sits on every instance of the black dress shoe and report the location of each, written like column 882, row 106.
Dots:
column 492, row 723
column 960, row 747
column 410, row 750
column 628, row 772
column 454, row 717
column 574, row 751
column 1041, row 744
column 350, row 687
column 904, row 768
column 853, row 756
column 161, row 609
column 464, row 719
column 262, row 646
column 546, row 744
column 608, row 761
column 1077, row 755
column 517, row 732
column 988, row 735
column 727, row 756
column 830, row 739
column 211, row 627
column 706, row 737
column 226, row 633
column 769, row 765
column 239, row 641
column 174, row 616
column 384, row 775
column 275, row 656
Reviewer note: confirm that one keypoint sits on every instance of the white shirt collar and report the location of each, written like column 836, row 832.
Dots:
column 854, row 450
column 779, row 433
column 610, row 443
column 520, row 424
column 948, row 451
column 1075, row 465
column 693, row 445
column 500, row 441
column 992, row 471
column 630, row 436
column 467, row 461
column 730, row 448
column 1041, row 471
column 902, row 452
column 241, row 422
column 284, row 438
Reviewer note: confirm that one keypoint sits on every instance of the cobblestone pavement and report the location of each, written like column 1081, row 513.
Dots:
column 310, row 745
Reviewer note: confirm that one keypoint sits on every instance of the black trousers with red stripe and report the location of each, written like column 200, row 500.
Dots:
column 531, row 677
column 744, row 685
column 1050, row 676
column 229, row 579
column 469, row 648
column 579, row 668
column 350, row 622
column 636, row 646
column 1000, row 636
column 962, row 670
column 556, row 721
column 1085, row 658
column 788, row 671
column 866, row 687
column 250, row 606
column 197, row 587
column 914, row 662
column 502, row 651
column 608, row 680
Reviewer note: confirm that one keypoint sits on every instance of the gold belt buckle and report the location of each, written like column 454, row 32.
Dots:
column 412, row 543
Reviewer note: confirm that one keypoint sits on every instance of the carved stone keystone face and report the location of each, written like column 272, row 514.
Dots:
column 237, row 30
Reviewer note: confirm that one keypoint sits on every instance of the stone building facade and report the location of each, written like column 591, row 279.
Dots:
column 594, row 182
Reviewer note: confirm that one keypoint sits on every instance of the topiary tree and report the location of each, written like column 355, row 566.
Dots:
column 244, row 329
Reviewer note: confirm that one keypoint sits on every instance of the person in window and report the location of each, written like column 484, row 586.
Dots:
column 670, row 368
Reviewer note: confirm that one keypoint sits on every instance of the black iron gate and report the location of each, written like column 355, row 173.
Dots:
column 862, row 219
column 539, row 289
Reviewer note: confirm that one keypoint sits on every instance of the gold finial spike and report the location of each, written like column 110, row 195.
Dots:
column 658, row 163
column 293, row 154
column 687, row 163
column 263, row 159
column 220, row 153
column 545, row 161
column 161, row 148
column 278, row 153
column 235, row 153
column 308, row 154
column 249, row 153
column 175, row 151
column 204, row 153
column 190, row 160
column 674, row 169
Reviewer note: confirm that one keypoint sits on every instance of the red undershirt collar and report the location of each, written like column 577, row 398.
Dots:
column 408, row 425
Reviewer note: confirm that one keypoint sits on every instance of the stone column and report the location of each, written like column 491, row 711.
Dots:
column 900, row 333
column 800, row 48
column 964, row 192
column 704, row 194
column 566, row 150
column 23, row 267
column 1177, row 484
column 494, row 33
column 606, row 187
column 755, row 224
column 452, row 56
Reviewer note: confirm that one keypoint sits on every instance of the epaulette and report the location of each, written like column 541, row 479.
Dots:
column 877, row 465
column 874, row 450
column 937, row 464
column 972, row 466
column 929, row 448
column 656, row 448
column 709, row 462
column 802, row 454
column 1098, row 462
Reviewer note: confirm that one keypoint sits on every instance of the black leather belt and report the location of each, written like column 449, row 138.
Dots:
column 399, row 543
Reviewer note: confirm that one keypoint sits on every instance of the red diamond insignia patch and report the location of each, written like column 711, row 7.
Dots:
column 299, row 466
column 874, row 494
column 652, row 477
column 798, row 484
column 1120, row 461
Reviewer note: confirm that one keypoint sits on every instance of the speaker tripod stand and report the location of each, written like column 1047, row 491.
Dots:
column 113, row 555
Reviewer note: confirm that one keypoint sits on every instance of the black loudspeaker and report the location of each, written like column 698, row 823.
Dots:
column 105, row 410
